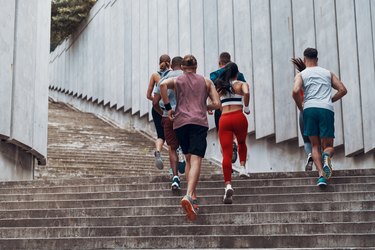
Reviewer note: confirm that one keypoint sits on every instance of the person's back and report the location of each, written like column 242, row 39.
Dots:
column 317, row 88
column 191, row 95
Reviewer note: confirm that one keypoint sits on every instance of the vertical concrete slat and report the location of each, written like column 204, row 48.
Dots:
column 24, row 74
column 108, row 46
column 162, row 27
column 351, row 103
column 102, row 54
column 326, row 43
column 143, row 66
column 127, row 22
column 211, row 42
column 197, row 33
column 184, row 27
column 225, row 24
column 119, row 52
column 283, row 73
column 153, row 45
column 262, row 68
column 7, row 27
column 243, row 53
column 304, row 36
column 135, row 56
column 40, row 110
column 173, row 40
column 90, row 61
column 366, row 71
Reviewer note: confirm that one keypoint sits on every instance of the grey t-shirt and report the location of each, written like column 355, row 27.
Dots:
column 171, row 95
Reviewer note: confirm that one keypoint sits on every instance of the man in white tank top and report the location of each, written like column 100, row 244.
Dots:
column 317, row 108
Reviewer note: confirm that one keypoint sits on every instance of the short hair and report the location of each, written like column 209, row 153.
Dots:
column 176, row 61
column 224, row 58
column 189, row 61
column 310, row 53
column 164, row 58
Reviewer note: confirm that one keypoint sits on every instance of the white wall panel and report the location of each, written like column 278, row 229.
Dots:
column 243, row 53
column 162, row 26
column 153, row 62
column 100, row 87
column 24, row 75
column 225, row 24
column 326, row 42
column 173, row 40
column 211, row 42
column 262, row 68
column 40, row 109
column 143, row 66
column 351, row 103
column 128, row 55
column 197, row 33
column 184, row 27
column 7, row 20
column 118, row 55
column 108, row 46
column 283, row 73
column 304, row 35
column 135, row 56
column 366, row 71
column 90, row 61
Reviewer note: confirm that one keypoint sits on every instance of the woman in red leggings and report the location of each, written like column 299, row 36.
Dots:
column 234, row 96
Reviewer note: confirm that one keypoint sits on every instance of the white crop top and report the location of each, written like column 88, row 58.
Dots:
column 231, row 99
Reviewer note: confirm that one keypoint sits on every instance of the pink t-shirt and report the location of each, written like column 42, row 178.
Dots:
column 191, row 95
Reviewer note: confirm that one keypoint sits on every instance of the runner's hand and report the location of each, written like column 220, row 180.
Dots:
column 210, row 112
column 171, row 114
column 246, row 110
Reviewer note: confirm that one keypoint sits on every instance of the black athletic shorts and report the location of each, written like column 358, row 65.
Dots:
column 157, row 121
column 192, row 139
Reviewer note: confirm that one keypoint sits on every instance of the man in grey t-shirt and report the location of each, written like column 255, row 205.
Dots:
column 177, row 165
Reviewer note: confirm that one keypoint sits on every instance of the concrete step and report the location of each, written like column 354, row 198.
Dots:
column 290, row 190
column 105, row 211
column 206, row 181
column 164, row 189
column 178, row 230
column 203, row 241
column 203, row 219
column 173, row 200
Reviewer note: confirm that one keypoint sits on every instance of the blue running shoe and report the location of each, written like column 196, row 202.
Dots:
column 327, row 166
column 321, row 182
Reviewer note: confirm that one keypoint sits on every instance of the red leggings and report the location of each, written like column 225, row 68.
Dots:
column 229, row 124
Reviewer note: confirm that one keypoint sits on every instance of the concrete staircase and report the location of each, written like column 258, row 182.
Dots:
column 99, row 199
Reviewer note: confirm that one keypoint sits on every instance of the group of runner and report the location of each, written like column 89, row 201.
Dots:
column 182, row 99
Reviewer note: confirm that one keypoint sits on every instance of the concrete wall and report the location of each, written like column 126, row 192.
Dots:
column 262, row 35
column 24, row 54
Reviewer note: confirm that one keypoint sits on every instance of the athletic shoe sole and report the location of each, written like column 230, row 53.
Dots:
column 321, row 184
column 175, row 186
column 327, row 170
column 159, row 164
column 189, row 209
column 228, row 197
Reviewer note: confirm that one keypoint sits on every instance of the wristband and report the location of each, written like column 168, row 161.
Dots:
column 168, row 106
column 246, row 109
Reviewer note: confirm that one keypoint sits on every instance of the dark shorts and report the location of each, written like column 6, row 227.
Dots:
column 305, row 138
column 319, row 122
column 157, row 121
column 169, row 133
column 192, row 139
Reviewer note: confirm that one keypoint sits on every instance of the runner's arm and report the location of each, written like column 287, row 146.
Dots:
column 153, row 79
column 214, row 96
column 155, row 103
column 339, row 86
column 296, row 91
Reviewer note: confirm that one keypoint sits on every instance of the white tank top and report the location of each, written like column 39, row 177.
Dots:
column 317, row 87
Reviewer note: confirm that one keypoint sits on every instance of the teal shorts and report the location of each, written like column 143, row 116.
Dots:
column 319, row 122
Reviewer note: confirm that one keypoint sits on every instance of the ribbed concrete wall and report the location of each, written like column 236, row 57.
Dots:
column 24, row 53
column 111, row 57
